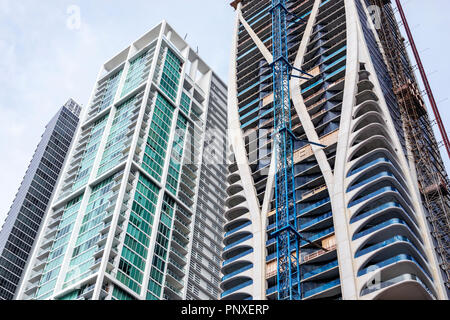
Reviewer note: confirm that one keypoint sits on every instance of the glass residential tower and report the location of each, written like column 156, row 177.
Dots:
column 139, row 212
column 32, row 201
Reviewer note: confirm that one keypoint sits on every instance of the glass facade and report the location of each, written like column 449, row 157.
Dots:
column 158, row 137
column 129, row 195
column 27, row 211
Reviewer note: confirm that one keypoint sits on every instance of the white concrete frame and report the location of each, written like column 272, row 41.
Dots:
column 357, row 52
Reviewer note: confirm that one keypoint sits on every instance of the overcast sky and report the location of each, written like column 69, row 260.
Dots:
column 45, row 58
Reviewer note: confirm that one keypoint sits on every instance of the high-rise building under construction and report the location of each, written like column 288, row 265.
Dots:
column 138, row 213
column 370, row 204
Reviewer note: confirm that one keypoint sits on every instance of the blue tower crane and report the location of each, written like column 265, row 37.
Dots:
column 286, row 233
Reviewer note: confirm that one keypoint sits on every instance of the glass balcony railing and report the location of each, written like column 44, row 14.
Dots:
column 271, row 256
column 237, row 242
column 381, row 245
column 238, row 287
column 307, row 223
column 398, row 258
column 237, row 229
column 334, row 53
column 254, row 85
column 271, row 241
column 321, row 269
column 321, row 288
column 375, row 210
column 318, row 235
column 371, row 195
column 316, row 220
column 274, row 288
column 393, row 281
column 226, row 262
column 315, row 205
column 378, row 227
column 234, row 273
column 368, row 180
column 335, row 63
column 367, row 165
column 271, row 290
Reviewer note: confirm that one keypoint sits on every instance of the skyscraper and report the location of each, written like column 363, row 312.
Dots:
column 139, row 211
column 358, row 204
column 24, row 218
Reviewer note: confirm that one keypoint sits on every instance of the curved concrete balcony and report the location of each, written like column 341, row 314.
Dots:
column 240, row 287
column 400, row 244
column 382, row 211
column 362, row 197
column 377, row 162
column 378, row 203
column 364, row 85
column 376, row 246
column 240, row 274
column 235, row 200
column 236, row 212
column 232, row 168
column 390, row 258
column 366, row 95
column 243, row 268
column 367, row 125
column 234, row 189
column 381, row 224
column 366, row 106
column 373, row 176
column 377, row 156
column 238, row 255
column 233, row 178
column 363, row 75
column 237, row 225
column 365, row 135
column 372, row 143
column 401, row 277
column 403, row 287
column 237, row 239
column 385, row 227
column 382, row 186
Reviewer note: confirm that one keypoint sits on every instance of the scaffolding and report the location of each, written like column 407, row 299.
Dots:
column 422, row 146
column 288, row 239
column 286, row 233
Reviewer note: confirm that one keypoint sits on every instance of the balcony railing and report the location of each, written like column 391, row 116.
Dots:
column 375, row 210
column 371, row 195
column 321, row 269
column 238, row 287
column 367, row 165
column 228, row 276
column 322, row 287
column 381, row 245
column 398, row 258
column 238, row 242
column 378, row 227
column 237, row 229
column 393, row 281
column 226, row 262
